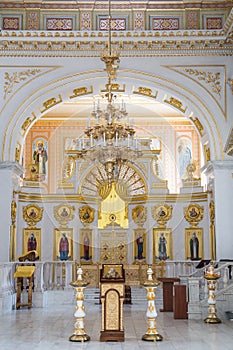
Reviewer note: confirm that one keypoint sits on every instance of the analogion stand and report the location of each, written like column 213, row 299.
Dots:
column 112, row 286
column 21, row 273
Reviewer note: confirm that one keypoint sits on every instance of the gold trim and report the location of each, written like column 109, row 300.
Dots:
column 165, row 234
column 176, row 103
column 86, row 214
column 64, row 213
column 144, row 91
column 193, row 214
column 162, row 213
column 51, row 102
column 21, row 104
column 139, row 214
column 170, row 88
column 81, row 91
column 139, row 240
column 198, row 125
column 27, row 123
column 188, row 236
column 32, row 214
column 224, row 111
column 86, row 238
column 58, row 232
column 27, row 232
column 16, row 77
column 114, row 87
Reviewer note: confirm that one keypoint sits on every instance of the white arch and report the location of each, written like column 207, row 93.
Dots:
column 31, row 103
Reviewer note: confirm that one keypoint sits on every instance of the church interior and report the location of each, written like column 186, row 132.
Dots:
column 116, row 174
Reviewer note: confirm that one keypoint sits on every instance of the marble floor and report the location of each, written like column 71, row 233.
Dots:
column 50, row 328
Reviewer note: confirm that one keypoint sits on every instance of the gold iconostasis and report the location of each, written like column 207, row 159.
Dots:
column 113, row 244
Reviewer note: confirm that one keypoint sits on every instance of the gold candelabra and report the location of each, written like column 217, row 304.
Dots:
column 79, row 286
column 212, row 278
column 150, row 285
column 112, row 142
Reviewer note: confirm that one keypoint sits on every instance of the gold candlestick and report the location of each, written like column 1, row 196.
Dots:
column 79, row 286
column 150, row 286
column 212, row 278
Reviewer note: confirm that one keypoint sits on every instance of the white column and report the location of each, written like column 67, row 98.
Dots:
column 219, row 176
column 9, row 182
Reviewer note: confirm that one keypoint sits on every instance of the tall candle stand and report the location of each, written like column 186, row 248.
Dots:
column 212, row 278
column 79, row 286
column 150, row 285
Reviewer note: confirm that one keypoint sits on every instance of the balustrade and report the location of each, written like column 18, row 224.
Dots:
column 56, row 275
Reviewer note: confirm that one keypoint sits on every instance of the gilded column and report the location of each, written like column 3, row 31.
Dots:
column 79, row 286
column 212, row 278
column 150, row 285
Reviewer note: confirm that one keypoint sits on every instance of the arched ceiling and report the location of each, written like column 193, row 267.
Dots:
column 138, row 108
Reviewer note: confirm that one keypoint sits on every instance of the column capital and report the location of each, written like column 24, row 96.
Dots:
column 15, row 167
column 212, row 166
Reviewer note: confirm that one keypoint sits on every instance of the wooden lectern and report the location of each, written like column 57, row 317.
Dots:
column 21, row 273
column 112, row 286
column 168, row 283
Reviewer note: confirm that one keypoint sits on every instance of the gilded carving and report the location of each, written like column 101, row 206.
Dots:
column 139, row 214
column 112, row 310
column 17, row 153
column 51, row 103
column 207, row 153
column 16, row 78
column 189, row 177
column 13, row 211
column 210, row 78
column 81, row 91
column 198, row 125
column 162, row 213
column 145, row 92
column 28, row 122
column 32, row 214
column 68, row 168
column 193, row 214
column 230, row 83
column 176, row 103
column 212, row 211
column 114, row 87
column 64, row 213
column 86, row 214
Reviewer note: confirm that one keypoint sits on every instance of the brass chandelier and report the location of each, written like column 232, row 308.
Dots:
column 107, row 139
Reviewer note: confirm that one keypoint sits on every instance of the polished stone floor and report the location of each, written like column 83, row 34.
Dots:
column 50, row 328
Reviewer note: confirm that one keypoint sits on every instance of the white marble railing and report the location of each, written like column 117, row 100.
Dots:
column 7, row 284
column 180, row 268
column 57, row 275
column 198, row 289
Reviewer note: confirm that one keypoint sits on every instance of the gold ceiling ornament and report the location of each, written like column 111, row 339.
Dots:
column 139, row 214
column 86, row 214
column 193, row 214
column 162, row 213
column 110, row 142
column 64, row 213
column 32, row 214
